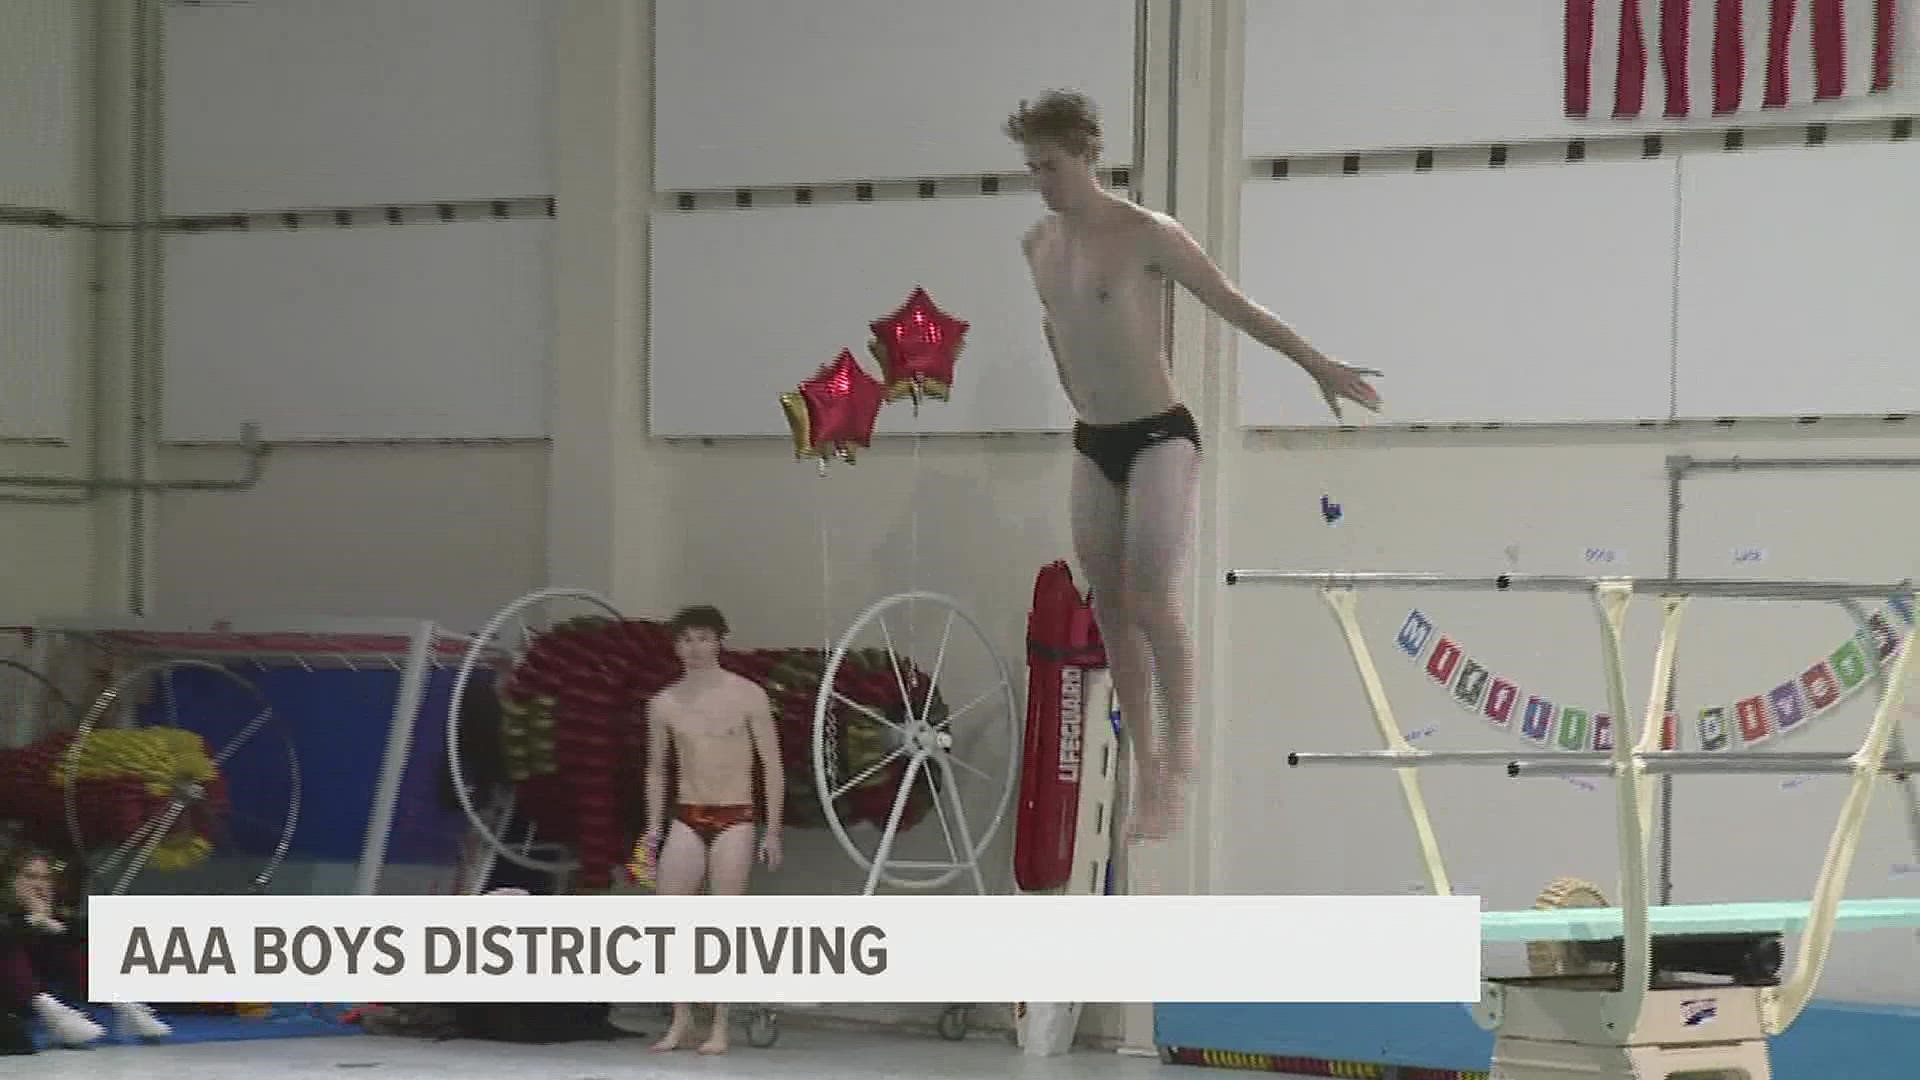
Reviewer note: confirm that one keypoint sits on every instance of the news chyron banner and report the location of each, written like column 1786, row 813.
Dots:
column 776, row 949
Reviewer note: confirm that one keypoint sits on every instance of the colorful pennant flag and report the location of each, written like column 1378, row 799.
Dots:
column 1751, row 720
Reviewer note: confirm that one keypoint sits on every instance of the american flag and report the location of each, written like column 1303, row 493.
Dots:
column 1628, row 58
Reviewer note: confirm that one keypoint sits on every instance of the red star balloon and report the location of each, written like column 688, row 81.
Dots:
column 916, row 347
column 835, row 410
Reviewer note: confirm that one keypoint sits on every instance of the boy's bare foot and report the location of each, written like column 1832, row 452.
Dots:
column 717, row 1038
column 676, row 1034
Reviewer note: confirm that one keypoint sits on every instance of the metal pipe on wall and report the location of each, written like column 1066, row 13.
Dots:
column 1748, row 588
column 250, row 445
column 137, row 171
column 1722, row 765
column 1678, row 467
column 1686, row 463
column 1663, row 810
column 148, row 28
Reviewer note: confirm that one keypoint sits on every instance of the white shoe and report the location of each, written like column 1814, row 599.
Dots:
column 68, row 1025
column 138, row 1021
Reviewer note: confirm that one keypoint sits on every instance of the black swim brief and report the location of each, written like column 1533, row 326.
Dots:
column 1113, row 447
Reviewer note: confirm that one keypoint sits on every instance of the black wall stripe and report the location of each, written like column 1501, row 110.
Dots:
column 441, row 211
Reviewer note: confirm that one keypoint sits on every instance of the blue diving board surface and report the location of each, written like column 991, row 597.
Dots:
column 1757, row 917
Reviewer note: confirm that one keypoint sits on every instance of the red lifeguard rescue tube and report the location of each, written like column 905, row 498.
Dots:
column 1063, row 643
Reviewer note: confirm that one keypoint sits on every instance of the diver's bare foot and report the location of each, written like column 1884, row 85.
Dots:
column 716, row 1043
column 676, row 1034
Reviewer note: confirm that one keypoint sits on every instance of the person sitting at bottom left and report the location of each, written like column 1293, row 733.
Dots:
column 40, row 953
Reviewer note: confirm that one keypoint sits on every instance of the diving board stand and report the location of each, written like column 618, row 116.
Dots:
column 1658, row 991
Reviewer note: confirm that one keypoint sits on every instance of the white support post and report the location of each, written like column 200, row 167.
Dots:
column 1611, row 600
column 17, row 728
column 1781, row 1005
column 1654, row 727
column 393, row 767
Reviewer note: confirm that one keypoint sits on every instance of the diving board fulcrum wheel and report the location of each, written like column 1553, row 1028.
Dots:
column 1563, row 957
column 948, row 727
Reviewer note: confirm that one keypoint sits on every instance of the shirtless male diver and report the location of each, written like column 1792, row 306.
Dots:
column 1100, row 265
column 716, row 724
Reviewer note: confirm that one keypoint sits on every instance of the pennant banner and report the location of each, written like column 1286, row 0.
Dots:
column 1787, row 707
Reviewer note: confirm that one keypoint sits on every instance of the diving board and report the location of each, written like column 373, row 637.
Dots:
column 1659, row 1008
column 1758, row 917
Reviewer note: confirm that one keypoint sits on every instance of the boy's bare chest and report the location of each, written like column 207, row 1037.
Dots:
column 710, row 716
column 1080, row 273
